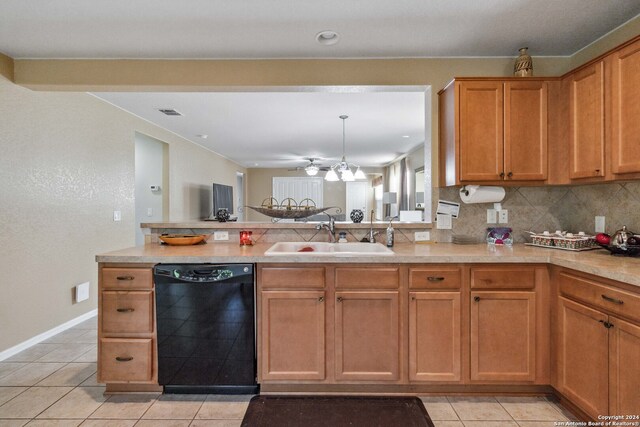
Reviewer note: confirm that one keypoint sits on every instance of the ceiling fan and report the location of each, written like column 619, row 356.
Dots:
column 312, row 168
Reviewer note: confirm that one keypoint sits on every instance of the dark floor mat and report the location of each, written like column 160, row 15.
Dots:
column 335, row 411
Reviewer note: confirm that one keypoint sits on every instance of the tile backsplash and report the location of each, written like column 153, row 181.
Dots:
column 550, row 208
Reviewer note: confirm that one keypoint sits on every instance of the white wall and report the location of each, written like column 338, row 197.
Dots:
column 66, row 163
column 149, row 170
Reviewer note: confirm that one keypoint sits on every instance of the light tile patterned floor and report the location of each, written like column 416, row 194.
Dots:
column 54, row 384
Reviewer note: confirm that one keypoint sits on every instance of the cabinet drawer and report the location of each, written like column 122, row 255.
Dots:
column 289, row 278
column 127, row 312
column 126, row 360
column 127, row 278
column 609, row 299
column 503, row 278
column 367, row 277
column 434, row 277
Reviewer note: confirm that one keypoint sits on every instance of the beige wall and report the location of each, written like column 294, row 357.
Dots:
column 6, row 66
column 67, row 163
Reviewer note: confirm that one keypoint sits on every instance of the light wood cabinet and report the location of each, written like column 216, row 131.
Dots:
column 582, row 357
column 625, row 110
column 503, row 336
column 587, row 122
column 293, row 335
column 498, row 132
column 624, row 367
column 598, row 352
column 435, row 336
column 367, row 336
column 126, row 326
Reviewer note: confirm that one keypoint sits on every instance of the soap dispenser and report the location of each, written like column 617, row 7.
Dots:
column 390, row 235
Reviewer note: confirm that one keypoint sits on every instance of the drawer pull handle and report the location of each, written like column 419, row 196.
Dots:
column 321, row 299
column 476, row 299
column 613, row 300
column 435, row 278
column 124, row 359
column 125, row 277
column 125, row 310
column 607, row 325
column 339, row 299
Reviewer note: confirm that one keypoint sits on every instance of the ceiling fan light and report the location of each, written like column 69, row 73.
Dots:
column 359, row 174
column 347, row 176
column 312, row 170
column 331, row 176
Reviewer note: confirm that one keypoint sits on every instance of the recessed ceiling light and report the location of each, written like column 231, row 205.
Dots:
column 203, row 136
column 328, row 37
column 405, row 136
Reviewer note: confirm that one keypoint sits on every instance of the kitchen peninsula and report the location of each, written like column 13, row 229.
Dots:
column 430, row 318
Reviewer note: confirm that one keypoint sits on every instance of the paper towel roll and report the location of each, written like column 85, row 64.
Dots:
column 480, row 194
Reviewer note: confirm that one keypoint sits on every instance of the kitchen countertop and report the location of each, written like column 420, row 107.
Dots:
column 598, row 262
column 249, row 225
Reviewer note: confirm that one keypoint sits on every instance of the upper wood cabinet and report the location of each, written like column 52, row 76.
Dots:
column 493, row 131
column 625, row 109
column 587, row 122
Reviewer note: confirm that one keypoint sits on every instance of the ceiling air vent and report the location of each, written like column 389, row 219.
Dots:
column 170, row 112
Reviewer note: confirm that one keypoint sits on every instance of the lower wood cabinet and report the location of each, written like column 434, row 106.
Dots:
column 503, row 336
column 293, row 335
column 367, row 338
column 598, row 353
column 435, row 336
column 126, row 360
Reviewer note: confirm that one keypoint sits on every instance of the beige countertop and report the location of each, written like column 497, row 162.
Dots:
column 598, row 262
column 248, row 225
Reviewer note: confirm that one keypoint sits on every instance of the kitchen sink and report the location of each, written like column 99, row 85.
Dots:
column 328, row 249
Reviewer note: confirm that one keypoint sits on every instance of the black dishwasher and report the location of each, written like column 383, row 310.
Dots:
column 206, row 328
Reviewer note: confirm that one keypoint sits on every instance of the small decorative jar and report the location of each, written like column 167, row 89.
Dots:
column 356, row 216
column 222, row 215
column 524, row 64
column 246, row 238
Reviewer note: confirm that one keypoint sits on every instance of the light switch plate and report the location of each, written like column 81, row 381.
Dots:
column 492, row 216
column 149, row 211
column 220, row 235
column 600, row 224
column 117, row 216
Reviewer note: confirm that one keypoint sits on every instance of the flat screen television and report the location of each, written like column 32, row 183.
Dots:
column 222, row 198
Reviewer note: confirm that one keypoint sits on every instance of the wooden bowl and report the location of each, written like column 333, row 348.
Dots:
column 182, row 239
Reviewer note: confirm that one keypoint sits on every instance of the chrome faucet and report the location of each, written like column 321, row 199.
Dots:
column 371, row 236
column 330, row 227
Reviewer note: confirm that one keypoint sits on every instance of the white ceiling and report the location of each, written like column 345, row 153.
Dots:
column 287, row 28
column 280, row 129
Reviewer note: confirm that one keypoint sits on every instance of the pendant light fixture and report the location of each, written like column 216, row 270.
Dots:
column 344, row 167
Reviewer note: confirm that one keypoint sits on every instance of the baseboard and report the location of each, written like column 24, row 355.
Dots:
column 12, row 351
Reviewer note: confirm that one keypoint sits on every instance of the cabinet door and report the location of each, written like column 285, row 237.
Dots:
column 367, row 336
column 624, row 367
column 503, row 336
column 293, row 335
column 525, row 131
column 582, row 357
column 481, row 133
column 434, row 336
column 625, row 99
column 586, row 122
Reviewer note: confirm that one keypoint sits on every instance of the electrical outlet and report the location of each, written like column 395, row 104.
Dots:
column 149, row 211
column 492, row 216
column 600, row 224
column 82, row 292
column 117, row 216
column 220, row 235
column 422, row 236
column 503, row 216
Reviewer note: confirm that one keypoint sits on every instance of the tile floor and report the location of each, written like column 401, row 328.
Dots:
column 54, row 384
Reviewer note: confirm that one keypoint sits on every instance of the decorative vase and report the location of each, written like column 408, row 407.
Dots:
column 356, row 216
column 524, row 64
column 222, row 215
